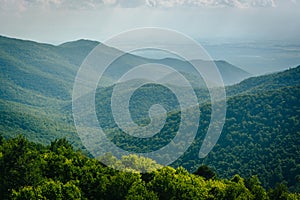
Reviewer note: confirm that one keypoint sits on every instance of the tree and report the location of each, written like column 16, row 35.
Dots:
column 205, row 172
column 48, row 189
column 19, row 165
column 236, row 189
column 254, row 185
column 169, row 183
column 138, row 191
column 279, row 193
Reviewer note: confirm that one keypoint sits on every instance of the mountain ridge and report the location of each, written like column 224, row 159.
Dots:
column 73, row 53
column 35, row 100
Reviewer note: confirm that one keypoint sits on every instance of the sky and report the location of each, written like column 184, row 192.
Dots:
column 58, row 21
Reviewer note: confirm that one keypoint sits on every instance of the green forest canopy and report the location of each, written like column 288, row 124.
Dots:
column 33, row 171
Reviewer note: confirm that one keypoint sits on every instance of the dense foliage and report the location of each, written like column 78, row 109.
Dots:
column 32, row 171
column 260, row 137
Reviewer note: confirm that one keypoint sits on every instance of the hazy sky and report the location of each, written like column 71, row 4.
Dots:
column 57, row 21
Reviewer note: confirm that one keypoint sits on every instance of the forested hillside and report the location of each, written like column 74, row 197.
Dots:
column 37, row 81
column 260, row 137
column 32, row 171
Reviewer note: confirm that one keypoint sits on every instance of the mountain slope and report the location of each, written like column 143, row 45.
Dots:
column 230, row 74
column 40, row 76
column 76, row 51
column 260, row 135
column 267, row 82
column 36, row 68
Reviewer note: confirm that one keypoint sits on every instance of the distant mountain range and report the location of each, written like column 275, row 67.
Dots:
column 57, row 65
column 38, row 78
column 260, row 135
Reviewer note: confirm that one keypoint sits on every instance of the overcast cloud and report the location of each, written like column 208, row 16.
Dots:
column 88, row 4
column 57, row 21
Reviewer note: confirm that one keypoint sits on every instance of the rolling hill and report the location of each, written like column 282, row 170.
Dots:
column 37, row 80
column 260, row 135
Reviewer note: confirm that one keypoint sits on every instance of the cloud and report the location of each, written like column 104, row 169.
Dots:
column 211, row 3
column 22, row 5
column 132, row 3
